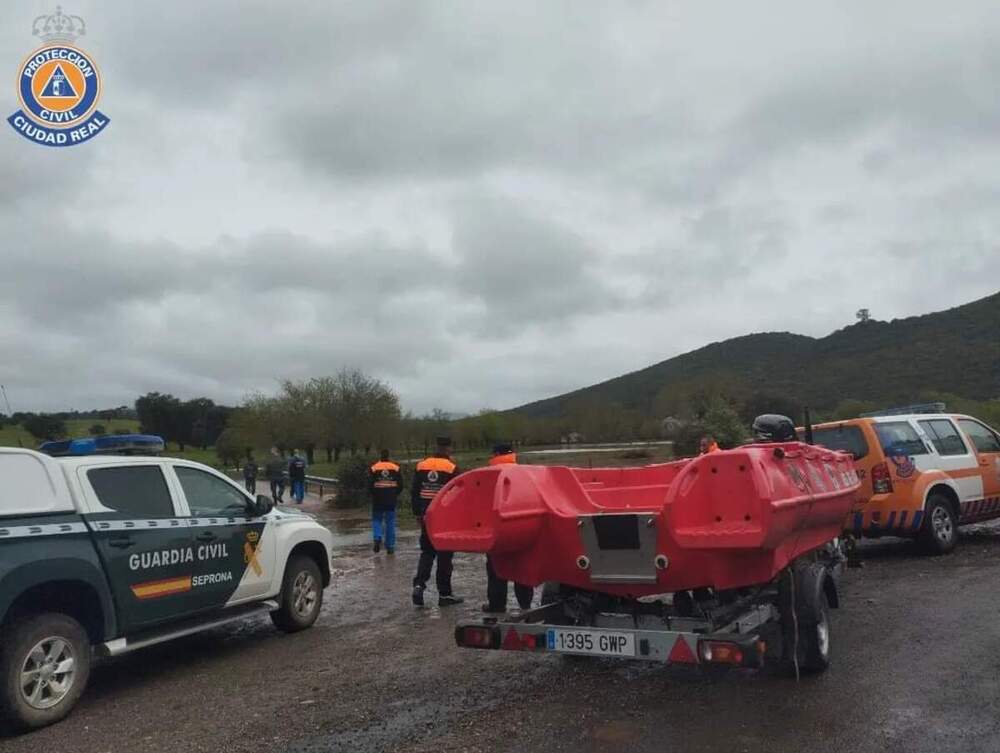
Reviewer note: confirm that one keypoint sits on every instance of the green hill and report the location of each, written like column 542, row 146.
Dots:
column 955, row 351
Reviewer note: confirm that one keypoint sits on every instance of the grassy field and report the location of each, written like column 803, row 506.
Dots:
column 15, row 436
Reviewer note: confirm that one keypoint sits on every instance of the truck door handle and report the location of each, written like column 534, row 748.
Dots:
column 123, row 542
column 207, row 536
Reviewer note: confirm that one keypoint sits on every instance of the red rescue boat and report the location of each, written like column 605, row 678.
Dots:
column 724, row 520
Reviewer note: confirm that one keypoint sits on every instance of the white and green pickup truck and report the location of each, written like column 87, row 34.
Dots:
column 104, row 555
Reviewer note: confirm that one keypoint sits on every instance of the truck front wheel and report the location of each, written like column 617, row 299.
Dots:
column 44, row 667
column 301, row 595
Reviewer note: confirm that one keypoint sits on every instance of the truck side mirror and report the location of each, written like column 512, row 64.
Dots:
column 262, row 506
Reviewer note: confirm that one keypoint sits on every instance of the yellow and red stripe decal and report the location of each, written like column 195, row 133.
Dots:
column 154, row 589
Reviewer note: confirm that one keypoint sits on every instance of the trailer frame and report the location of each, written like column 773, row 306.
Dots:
column 785, row 621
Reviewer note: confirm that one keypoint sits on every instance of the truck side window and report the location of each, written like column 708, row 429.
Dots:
column 899, row 438
column 137, row 490
column 210, row 496
column 945, row 436
column 982, row 437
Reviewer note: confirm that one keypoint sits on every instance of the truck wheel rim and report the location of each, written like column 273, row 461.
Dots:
column 941, row 521
column 304, row 594
column 48, row 672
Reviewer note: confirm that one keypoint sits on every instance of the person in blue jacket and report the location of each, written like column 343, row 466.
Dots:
column 297, row 476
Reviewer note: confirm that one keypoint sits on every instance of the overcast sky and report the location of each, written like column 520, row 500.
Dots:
column 487, row 203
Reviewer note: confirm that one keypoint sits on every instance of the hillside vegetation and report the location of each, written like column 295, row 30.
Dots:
column 954, row 352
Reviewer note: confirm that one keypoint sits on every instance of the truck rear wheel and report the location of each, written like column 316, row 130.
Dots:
column 301, row 595
column 44, row 668
column 939, row 533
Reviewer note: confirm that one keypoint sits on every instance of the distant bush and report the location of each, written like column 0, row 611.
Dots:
column 352, row 482
column 97, row 430
column 44, row 426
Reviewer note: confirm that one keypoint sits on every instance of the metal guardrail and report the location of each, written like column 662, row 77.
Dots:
column 318, row 482
column 321, row 482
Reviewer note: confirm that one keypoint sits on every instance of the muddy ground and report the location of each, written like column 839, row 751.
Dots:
column 916, row 668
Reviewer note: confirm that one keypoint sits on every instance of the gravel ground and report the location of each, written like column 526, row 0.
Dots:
column 916, row 668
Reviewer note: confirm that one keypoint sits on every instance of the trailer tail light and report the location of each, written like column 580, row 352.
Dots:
column 720, row 652
column 515, row 641
column 475, row 636
column 881, row 480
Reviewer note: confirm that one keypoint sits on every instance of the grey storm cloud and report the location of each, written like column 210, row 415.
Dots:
column 486, row 204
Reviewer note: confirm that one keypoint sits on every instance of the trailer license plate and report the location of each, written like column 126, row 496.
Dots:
column 598, row 642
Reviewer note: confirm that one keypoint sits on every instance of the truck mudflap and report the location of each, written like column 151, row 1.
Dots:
column 739, row 643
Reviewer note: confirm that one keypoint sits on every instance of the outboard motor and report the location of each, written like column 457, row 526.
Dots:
column 773, row 427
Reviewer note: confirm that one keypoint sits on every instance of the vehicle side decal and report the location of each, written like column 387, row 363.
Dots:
column 130, row 525
column 156, row 588
column 972, row 510
column 46, row 529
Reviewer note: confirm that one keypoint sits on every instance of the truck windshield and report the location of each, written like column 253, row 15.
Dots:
column 847, row 438
column 900, row 438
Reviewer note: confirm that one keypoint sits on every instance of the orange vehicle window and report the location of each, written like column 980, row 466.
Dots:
column 984, row 439
column 899, row 438
column 848, row 438
column 945, row 436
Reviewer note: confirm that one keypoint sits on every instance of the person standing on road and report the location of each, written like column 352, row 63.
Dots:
column 275, row 472
column 430, row 476
column 250, row 471
column 385, row 483
column 496, row 587
column 297, row 476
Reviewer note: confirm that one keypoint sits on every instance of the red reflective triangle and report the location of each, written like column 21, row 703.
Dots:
column 681, row 652
column 512, row 641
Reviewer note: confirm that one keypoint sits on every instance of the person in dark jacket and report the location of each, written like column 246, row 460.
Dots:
column 385, row 483
column 297, row 476
column 429, row 478
column 250, row 471
column 496, row 587
column 275, row 473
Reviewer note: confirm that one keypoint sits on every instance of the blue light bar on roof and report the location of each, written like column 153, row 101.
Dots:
column 108, row 444
column 907, row 409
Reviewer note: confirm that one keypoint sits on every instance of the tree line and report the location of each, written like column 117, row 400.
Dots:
column 349, row 411
column 354, row 413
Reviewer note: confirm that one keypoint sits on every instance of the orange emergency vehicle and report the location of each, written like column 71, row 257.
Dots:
column 924, row 472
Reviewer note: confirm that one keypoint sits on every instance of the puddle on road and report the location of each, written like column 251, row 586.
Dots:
column 352, row 529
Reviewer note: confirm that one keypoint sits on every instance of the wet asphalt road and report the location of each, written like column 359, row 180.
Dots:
column 916, row 668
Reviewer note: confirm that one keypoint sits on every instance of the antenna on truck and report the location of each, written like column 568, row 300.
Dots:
column 809, row 425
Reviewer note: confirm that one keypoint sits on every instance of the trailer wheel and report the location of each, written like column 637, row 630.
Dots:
column 813, row 639
column 550, row 592
column 939, row 533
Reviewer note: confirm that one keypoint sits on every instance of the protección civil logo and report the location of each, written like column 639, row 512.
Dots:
column 58, row 86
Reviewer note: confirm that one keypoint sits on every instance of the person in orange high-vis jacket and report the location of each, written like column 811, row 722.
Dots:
column 707, row 445
column 496, row 587
column 385, row 483
column 429, row 478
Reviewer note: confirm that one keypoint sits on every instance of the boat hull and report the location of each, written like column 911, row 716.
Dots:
column 725, row 520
